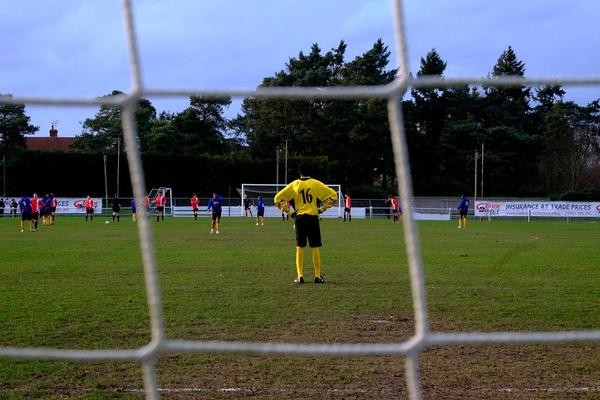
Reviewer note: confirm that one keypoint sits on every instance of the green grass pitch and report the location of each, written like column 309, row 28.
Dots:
column 80, row 285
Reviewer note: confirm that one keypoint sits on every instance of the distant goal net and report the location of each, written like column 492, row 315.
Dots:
column 168, row 193
column 267, row 191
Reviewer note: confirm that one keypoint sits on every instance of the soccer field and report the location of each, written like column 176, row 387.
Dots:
column 81, row 286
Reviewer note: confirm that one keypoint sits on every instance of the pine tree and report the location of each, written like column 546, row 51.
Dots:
column 14, row 125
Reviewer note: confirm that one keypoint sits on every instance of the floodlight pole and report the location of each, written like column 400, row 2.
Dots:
column 286, row 137
column 118, row 163
column 105, row 182
column 3, row 137
column 4, row 174
column 286, row 160
column 277, row 150
column 476, row 167
column 482, row 153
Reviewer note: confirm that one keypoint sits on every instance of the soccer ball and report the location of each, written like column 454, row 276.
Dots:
column 106, row 222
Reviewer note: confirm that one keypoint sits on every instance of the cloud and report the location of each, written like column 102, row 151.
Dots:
column 79, row 49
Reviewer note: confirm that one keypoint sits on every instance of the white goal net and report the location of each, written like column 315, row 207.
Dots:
column 423, row 337
column 267, row 191
column 167, row 192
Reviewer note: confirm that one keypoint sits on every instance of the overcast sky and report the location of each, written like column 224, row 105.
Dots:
column 63, row 48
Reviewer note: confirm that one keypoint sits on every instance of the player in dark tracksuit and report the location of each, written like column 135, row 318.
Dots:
column 116, row 208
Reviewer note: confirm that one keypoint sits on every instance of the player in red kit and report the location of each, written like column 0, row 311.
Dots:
column 35, row 211
column 194, row 203
column 44, row 208
column 53, row 204
column 160, row 201
column 89, row 205
column 395, row 209
column 348, row 208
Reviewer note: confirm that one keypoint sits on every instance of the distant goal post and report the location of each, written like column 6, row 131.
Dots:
column 267, row 191
column 168, row 193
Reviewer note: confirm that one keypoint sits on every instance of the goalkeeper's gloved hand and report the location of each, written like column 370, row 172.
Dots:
column 293, row 214
column 321, row 210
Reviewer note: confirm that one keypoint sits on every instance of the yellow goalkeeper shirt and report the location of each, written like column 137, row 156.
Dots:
column 305, row 192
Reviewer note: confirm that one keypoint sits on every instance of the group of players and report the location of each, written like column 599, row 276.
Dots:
column 214, row 205
column 33, row 208
column 260, row 209
column 160, row 201
column 304, row 200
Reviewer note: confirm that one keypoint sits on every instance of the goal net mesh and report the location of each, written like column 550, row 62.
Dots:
column 423, row 337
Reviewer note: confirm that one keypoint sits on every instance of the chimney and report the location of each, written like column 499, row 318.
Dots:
column 53, row 132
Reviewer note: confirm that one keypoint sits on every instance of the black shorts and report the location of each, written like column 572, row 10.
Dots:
column 26, row 216
column 260, row 212
column 35, row 215
column 347, row 209
column 308, row 228
column 216, row 215
column 89, row 210
column 463, row 213
column 160, row 209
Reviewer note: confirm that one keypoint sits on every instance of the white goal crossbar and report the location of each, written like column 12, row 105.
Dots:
column 422, row 339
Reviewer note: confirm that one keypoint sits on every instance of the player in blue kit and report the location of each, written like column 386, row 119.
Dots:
column 463, row 210
column 214, row 204
column 45, row 209
column 25, row 208
column 260, row 211
column 133, row 210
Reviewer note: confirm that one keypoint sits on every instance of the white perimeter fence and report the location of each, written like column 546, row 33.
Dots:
column 422, row 338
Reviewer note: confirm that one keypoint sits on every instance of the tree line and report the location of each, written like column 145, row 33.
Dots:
column 536, row 142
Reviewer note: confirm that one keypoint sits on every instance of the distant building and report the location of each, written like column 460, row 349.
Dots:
column 51, row 143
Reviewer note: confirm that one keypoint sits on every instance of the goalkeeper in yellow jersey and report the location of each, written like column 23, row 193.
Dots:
column 304, row 193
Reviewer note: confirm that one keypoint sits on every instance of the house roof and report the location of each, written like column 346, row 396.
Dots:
column 52, row 143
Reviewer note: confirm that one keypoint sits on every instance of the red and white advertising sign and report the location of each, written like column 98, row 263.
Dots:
column 74, row 205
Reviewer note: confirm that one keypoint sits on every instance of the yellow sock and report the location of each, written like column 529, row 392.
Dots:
column 300, row 261
column 316, row 259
